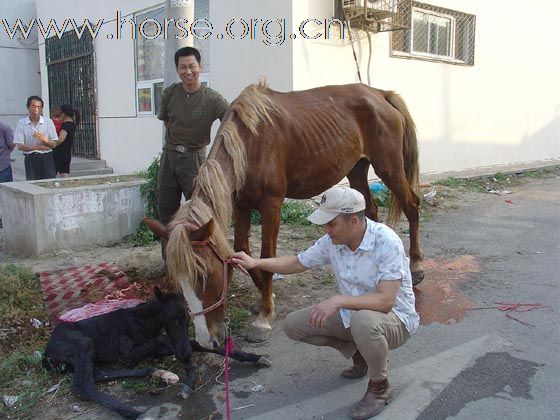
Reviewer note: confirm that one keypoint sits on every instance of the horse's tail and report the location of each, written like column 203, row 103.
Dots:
column 410, row 153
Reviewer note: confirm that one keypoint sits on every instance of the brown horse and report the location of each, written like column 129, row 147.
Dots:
column 272, row 145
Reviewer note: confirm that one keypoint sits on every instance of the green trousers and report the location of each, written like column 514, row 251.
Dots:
column 176, row 176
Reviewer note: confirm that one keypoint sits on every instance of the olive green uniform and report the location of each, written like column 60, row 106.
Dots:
column 188, row 119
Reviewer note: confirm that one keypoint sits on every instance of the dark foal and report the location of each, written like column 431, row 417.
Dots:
column 130, row 335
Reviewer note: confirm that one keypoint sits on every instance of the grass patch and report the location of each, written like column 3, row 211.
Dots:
column 471, row 184
column 299, row 282
column 239, row 318
column 24, row 377
column 293, row 212
column 20, row 369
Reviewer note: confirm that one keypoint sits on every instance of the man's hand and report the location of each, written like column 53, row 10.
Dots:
column 243, row 260
column 323, row 310
column 43, row 138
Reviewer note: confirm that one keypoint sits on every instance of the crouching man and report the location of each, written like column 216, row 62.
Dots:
column 375, row 310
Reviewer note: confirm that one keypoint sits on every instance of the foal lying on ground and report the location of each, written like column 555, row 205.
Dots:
column 131, row 335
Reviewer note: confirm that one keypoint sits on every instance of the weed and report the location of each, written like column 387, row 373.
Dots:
column 293, row 212
column 238, row 318
column 20, row 294
column 23, row 377
column 299, row 282
column 143, row 235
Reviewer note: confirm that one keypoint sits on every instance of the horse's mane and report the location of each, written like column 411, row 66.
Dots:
column 183, row 264
column 212, row 194
column 254, row 105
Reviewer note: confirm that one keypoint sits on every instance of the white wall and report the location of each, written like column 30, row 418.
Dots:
column 237, row 63
column 504, row 109
column 19, row 62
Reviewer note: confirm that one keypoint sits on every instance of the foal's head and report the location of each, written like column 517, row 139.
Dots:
column 172, row 312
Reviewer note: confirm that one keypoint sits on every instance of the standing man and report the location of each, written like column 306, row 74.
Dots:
column 30, row 135
column 6, row 147
column 375, row 310
column 188, row 110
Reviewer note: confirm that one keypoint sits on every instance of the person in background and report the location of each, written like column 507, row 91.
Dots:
column 62, row 148
column 55, row 117
column 188, row 110
column 30, row 135
column 6, row 147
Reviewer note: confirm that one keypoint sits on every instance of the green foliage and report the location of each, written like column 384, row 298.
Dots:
column 143, row 235
column 382, row 198
column 238, row 318
column 20, row 293
column 23, row 377
column 293, row 212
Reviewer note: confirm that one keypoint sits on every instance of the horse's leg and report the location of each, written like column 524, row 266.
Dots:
column 358, row 180
column 396, row 181
column 261, row 326
column 160, row 346
column 102, row 375
column 255, row 359
column 269, row 208
column 83, row 383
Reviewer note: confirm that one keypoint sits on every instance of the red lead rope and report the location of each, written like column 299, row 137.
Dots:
column 228, row 351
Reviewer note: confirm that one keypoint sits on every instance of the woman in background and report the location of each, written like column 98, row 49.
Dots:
column 62, row 152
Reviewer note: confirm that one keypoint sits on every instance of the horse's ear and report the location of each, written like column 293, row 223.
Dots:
column 157, row 227
column 158, row 294
column 204, row 231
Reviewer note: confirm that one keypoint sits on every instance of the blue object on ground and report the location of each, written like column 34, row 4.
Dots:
column 377, row 187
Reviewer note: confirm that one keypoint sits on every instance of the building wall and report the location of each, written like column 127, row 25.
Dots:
column 19, row 63
column 237, row 63
column 504, row 109
column 127, row 141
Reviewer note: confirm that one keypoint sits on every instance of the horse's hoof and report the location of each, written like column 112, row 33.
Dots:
column 144, row 416
column 257, row 335
column 263, row 362
column 417, row 277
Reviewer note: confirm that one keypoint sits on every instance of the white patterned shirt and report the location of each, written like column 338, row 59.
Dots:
column 380, row 256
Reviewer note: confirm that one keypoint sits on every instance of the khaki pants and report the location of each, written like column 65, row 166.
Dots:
column 372, row 333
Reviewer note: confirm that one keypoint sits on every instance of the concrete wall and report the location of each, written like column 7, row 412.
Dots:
column 504, row 109
column 19, row 62
column 38, row 220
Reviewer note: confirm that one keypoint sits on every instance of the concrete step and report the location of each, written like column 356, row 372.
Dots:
column 81, row 164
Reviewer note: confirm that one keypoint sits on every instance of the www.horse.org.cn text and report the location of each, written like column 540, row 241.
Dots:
column 268, row 31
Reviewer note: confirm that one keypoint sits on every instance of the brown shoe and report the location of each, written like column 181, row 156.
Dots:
column 358, row 370
column 377, row 396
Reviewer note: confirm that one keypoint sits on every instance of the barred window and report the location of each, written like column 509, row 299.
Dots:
column 435, row 33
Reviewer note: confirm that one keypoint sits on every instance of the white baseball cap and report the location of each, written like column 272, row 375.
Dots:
column 335, row 201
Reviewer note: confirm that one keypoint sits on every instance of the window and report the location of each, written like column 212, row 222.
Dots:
column 150, row 55
column 435, row 33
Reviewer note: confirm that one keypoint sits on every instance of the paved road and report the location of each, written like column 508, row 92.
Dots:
column 464, row 363
column 486, row 364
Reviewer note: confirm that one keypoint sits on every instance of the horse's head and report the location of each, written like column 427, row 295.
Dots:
column 195, row 262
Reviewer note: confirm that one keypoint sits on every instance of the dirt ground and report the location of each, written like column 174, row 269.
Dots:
column 292, row 292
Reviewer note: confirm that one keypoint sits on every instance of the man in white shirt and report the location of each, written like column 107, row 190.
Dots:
column 30, row 134
column 375, row 311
